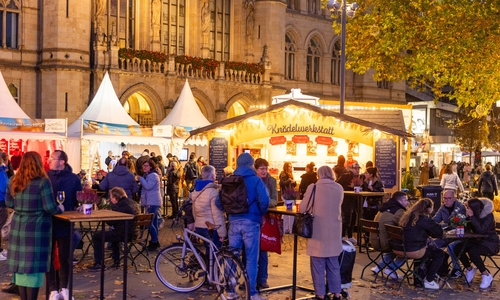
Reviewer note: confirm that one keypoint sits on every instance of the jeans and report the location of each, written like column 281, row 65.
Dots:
column 153, row 228
column 451, row 251
column 215, row 238
column 329, row 267
column 246, row 232
column 389, row 261
column 472, row 252
column 263, row 263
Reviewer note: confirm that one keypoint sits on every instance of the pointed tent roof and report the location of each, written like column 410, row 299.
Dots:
column 11, row 108
column 186, row 112
column 105, row 107
column 296, row 94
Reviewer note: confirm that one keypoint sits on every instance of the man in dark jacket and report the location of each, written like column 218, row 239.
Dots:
column 119, row 203
column 62, row 179
column 120, row 177
column 487, row 184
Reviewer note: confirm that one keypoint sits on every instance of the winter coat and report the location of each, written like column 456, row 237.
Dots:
column 204, row 208
column 257, row 196
column 151, row 189
column 389, row 213
column 416, row 236
column 444, row 215
column 342, row 176
column 65, row 180
column 272, row 190
column 305, row 180
column 424, row 175
column 485, row 224
column 377, row 186
column 286, row 182
column 173, row 178
column 326, row 240
column 31, row 228
column 127, row 206
column 467, row 170
column 120, row 177
column 4, row 179
column 451, row 181
column 487, row 183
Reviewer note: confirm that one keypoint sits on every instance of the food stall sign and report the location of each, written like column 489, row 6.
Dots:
column 300, row 139
column 324, row 140
column 277, row 140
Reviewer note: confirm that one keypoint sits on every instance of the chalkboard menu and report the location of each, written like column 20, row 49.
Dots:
column 218, row 155
column 385, row 161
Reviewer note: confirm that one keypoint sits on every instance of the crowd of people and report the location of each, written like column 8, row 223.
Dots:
column 30, row 194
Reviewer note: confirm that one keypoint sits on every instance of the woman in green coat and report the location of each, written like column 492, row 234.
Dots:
column 29, row 193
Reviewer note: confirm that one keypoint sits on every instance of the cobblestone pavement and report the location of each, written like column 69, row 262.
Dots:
column 145, row 285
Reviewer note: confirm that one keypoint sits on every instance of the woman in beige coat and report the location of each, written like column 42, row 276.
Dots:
column 325, row 245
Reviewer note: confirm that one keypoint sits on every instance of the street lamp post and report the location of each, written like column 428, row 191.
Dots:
column 345, row 9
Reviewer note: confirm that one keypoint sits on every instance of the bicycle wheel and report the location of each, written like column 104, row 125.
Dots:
column 232, row 279
column 181, row 274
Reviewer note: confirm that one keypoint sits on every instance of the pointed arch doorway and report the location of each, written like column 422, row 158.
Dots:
column 137, row 106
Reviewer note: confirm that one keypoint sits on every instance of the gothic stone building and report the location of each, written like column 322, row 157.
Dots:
column 53, row 55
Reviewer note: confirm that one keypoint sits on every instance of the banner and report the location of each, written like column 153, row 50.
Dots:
column 25, row 125
column 115, row 129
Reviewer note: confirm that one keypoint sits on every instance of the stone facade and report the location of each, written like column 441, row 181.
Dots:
column 63, row 52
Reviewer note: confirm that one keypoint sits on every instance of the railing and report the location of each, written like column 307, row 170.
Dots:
column 186, row 70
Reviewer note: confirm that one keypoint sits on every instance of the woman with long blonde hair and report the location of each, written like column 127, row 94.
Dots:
column 417, row 226
column 30, row 194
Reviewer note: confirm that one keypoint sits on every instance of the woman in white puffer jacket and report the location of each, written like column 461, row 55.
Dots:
column 450, row 180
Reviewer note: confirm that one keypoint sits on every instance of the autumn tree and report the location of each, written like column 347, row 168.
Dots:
column 442, row 43
column 471, row 133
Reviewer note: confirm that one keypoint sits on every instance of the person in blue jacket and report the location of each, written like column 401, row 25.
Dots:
column 244, row 228
column 4, row 214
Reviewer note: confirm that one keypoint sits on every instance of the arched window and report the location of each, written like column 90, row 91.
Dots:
column 173, row 26
column 289, row 58
column 335, row 64
column 9, row 17
column 313, row 60
column 14, row 91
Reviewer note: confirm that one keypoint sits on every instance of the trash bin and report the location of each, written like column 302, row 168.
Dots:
column 433, row 192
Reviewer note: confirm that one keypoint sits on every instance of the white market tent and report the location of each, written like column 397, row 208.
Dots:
column 184, row 117
column 34, row 138
column 106, row 108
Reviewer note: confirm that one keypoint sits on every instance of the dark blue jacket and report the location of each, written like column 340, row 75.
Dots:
column 257, row 196
column 4, row 179
column 120, row 177
column 65, row 180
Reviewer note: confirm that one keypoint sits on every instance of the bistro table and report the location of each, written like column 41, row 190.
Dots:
column 97, row 216
column 451, row 236
column 281, row 210
column 360, row 196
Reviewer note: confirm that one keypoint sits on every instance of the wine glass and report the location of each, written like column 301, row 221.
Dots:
column 60, row 197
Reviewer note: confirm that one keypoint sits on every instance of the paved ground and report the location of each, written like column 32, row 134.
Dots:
column 145, row 285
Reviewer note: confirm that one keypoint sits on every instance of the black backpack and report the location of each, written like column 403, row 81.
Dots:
column 233, row 195
column 191, row 171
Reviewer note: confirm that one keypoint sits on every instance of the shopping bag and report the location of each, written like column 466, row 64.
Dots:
column 270, row 233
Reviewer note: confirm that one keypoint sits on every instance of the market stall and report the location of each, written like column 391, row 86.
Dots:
column 300, row 133
column 104, row 126
column 19, row 131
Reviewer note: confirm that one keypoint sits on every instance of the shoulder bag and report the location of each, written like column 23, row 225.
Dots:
column 303, row 222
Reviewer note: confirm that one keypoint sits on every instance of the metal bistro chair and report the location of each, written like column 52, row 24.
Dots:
column 492, row 257
column 397, row 241
column 368, row 228
column 139, row 244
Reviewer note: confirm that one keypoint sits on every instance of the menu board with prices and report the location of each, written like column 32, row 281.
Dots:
column 385, row 161
column 218, row 155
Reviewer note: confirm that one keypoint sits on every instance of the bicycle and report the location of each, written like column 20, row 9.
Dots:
column 183, row 268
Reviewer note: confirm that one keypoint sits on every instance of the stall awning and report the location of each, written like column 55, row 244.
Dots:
column 291, row 117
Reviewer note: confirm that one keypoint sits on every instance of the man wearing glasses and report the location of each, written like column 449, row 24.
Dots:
column 446, row 212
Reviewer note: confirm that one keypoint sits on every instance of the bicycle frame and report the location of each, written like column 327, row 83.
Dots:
column 212, row 255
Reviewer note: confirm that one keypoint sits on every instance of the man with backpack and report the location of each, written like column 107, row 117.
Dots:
column 244, row 225
column 191, row 171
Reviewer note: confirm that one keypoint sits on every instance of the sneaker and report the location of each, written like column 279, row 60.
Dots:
column 2, row 256
column 153, row 246
column 257, row 297
column 431, row 285
column 353, row 241
column 486, row 281
column 469, row 274
column 54, row 295
column 264, row 285
column 95, row 267
column 116, row 263
column 375, row 270
column 232, row 296
column 392, row 274
column 64, row 294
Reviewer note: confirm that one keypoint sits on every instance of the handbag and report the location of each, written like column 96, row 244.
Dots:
column 303, row 223
column 270, row 233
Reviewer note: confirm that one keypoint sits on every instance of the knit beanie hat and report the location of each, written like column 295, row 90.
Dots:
column 245, row 160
